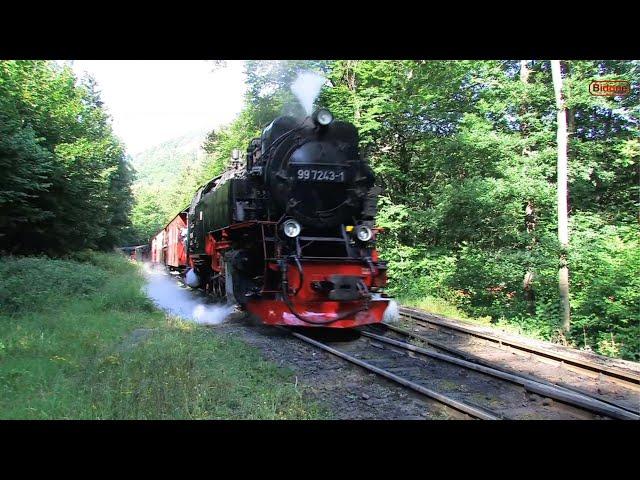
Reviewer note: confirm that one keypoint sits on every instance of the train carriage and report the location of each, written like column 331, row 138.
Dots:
column 176, row 241
column 169, row 245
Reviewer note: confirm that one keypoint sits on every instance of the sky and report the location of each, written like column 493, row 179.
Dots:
column 151, row 101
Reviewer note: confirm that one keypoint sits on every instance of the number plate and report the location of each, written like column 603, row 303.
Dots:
column 304, row 174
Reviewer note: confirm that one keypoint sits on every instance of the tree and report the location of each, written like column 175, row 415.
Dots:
column 563, row 219
column 529, row 207
column 65, row 185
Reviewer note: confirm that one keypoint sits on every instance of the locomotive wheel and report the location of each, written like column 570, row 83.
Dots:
column 228, row 284
column 220, row 290
column 239, row 275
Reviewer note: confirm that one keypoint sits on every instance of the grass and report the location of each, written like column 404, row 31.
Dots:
column 438, row 306
column 79, row 340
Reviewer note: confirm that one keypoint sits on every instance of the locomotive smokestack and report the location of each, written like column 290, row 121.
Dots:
column 235, row 158
column 322, row 117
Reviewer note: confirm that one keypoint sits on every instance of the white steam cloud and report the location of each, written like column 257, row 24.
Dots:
column 169, row 296
column 392, row 313
column 306, row 88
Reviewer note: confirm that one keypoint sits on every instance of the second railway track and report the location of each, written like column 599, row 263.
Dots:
column 595, row 366
column 608, row 380
column 475, row 388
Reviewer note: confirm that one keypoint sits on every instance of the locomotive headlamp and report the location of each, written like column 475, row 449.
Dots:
column 291, row 228
column 363, row 233
column 323, row 117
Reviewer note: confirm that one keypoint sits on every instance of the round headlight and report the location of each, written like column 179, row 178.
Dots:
column 363, row 233
column 291, row 228
column 324, row 117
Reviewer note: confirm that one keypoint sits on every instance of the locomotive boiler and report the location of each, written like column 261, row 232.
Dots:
column 290, row 235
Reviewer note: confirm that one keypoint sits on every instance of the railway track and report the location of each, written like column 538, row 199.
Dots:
column 463, row 382
column 387, row 371
column 608, row 380
column 594, row 367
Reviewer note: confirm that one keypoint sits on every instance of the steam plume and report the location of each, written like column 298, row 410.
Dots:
column 306, row 88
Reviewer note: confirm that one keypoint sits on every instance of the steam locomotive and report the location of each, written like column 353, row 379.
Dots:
column 289, row 236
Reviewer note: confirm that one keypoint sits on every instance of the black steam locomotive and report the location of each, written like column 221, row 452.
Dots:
column 290, row 235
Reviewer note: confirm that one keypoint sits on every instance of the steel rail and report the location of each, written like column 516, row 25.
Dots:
column 475, row 359
column 571, row 398
column 613, row 372
column 460, row 406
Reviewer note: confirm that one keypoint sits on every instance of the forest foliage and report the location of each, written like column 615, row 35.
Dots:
column 66, row 178
column 167, row 176
column 466, row 154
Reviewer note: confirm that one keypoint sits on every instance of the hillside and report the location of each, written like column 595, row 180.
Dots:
column 158, row 165
column 167, row 176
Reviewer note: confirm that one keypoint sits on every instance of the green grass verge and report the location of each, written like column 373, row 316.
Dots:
column 438, row 306
column 79, row 340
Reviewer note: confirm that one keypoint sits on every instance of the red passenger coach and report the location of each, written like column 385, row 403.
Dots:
column 168, row 246
column 176, row 234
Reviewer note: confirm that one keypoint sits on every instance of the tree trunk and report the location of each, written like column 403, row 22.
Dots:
column 571, row 121
column 350, row 77
column 529, row 276
column 524, row 71
column 529, row 211
column 563, row 220
column 524, row 78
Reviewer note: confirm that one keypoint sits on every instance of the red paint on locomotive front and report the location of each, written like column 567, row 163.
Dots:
column 276, row 312
column 314, row 306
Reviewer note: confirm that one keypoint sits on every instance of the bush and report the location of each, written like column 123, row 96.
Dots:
column 36, row 283
column 416, row 272
column 605, row 286
column 108, row 262
column 604, row 269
